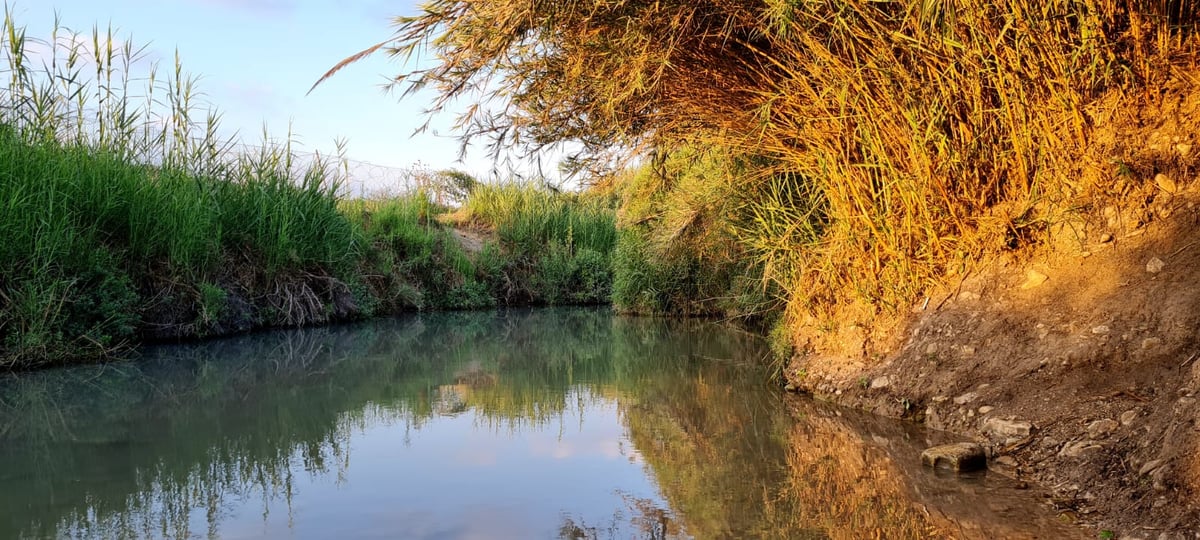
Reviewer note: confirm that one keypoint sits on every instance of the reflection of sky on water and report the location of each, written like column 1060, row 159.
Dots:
column 457, row 476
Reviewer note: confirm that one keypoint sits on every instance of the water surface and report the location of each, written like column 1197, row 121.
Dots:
column 555, row 423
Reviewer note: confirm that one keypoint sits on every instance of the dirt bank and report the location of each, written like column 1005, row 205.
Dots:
column 1078, row 368
column 1077, row 362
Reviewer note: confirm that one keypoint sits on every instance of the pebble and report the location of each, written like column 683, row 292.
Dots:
column 1165, row 183
column 1102, row 428
column 1101, row 330
column 1128, row 417
column 880, row 382
column 1106, row 238
column 966, row 398
column 986, row 409
column 1033, row 278
column 1079, row 448
column 1155, row 265
column 1007, row 428
column 1150, row 466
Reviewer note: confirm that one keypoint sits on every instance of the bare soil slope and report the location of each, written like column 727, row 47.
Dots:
column 1079, row 366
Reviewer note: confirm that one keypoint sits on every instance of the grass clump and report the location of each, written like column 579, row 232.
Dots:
column 123, row 218
column 556, row 246
column 680, row 248
column 415, row 262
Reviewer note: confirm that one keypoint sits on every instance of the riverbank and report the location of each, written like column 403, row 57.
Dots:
column 1077, row 370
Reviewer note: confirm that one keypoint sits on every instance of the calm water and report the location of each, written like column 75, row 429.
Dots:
column 563, row 423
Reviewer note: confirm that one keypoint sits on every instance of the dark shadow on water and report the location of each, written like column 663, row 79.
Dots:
column 568, row 423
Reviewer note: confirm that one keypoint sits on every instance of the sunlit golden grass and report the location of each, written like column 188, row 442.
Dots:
column 890, row 141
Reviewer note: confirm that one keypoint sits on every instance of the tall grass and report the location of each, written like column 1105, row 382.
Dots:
column 894, row 141
column 527, row 216
column 107, row 178
column 559, row 244
column 414, row 261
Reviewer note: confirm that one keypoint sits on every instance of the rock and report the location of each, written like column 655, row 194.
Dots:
column 1165, row 183
column 1102, row 428
column 1150, row 466
column 1155, row 265
column 931, row 349
column 968, row 350
column 959, row 457
column 1033, row 278
column 1101, row 330
column 1106, row 238
column 966, row 398
column 1128, row 417
column 880, row 382
column 1150, row 343
column 1079, row 448
column 789, row 387
column 986, row 409
column 1183, row 149
column 1007, row 428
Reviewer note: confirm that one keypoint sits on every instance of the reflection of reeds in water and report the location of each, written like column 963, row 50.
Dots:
column 137, row 449
column 732, row 465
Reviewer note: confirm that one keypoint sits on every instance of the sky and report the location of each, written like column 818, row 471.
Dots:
column 256, row 59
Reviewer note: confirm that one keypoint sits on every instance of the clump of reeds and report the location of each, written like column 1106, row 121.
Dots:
column 558, row 245
column 110, row 176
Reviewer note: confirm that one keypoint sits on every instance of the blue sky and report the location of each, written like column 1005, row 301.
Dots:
column 257, row 58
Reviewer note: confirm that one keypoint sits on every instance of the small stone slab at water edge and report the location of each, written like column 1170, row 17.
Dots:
column 958, row 457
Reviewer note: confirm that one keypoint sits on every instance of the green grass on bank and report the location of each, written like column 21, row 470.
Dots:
column 125, row 219
column 561, row 242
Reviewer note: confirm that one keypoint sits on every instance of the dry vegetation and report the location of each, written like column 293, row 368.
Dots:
column 878, row 145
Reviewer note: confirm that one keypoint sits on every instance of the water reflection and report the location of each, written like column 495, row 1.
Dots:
column 565, row 423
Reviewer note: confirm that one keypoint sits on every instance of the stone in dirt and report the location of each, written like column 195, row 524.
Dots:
column 1079, row 448
column 1033, row 278
column 1150, row 466
column 880, row 382
column 1128, row 417
column 959, row 457
column 1010, row 429
column 1165, row 183
column 1155, row 265
column 966, row 398
column 1102, row 428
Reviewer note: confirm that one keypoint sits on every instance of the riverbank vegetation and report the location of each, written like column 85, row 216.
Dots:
column 126, row 217
column 814, row 166
column 845, row 155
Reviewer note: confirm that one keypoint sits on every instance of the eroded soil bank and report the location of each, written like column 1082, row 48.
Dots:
column 1078, row 369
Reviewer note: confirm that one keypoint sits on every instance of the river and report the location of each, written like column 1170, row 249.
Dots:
column 551, row 423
